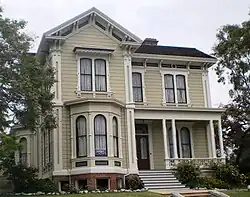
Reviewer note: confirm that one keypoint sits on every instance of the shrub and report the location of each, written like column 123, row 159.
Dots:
column 133, row 182
column 211, row 183
column 188, row 173
column 46, row 185
column 229, row 174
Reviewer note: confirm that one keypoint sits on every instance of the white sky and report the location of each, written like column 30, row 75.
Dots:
column 190, row 23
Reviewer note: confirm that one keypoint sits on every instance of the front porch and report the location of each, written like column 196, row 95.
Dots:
column 163, row 143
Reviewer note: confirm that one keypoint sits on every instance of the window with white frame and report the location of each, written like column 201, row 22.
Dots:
column 175, row 88
column 81, row 136
column 137, row 87
column 115, row 137
column 185, row 142
column 93, row 75
column 100, row 130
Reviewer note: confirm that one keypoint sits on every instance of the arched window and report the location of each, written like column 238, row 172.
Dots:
column 171, row 143
column 185, row 143
column 115, row 137
column 181, row 89
column 81, row 136
column 100, row 75
column 23, row 154
column 100, row 136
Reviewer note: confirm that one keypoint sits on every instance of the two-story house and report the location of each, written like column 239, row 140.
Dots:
column 123, row 105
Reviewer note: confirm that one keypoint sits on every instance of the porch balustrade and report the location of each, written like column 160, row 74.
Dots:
column 202, row 162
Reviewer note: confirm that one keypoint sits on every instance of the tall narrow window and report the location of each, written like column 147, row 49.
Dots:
column 137, row 87
column 100, row 136
column 23, row 151
column 86, row 74
column 181, row 89
column 185, row 143
column 171, row 143
column 115, row 137
column 100, row 75
column 81, row 136
column 169, row 88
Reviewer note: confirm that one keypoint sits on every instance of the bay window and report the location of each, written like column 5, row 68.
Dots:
column 100, row 131
column 81, row 136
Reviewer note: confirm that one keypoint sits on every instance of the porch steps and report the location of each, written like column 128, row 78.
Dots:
column 196, row 194
column 159, row 179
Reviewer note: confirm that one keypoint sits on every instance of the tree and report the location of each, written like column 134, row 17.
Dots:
column 25, row 81
column 233, row 67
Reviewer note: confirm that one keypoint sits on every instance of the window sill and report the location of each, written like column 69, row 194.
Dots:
column 140, row 103
column 94, row 93
column 176, row 104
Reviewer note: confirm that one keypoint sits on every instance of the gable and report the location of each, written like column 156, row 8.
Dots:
column 90, row 17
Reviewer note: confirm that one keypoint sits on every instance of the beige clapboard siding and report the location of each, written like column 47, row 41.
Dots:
column 91, row 37
column 200, row 140
column 158, row 146
column 153, row 87
column 196, row 93
column 66, row 143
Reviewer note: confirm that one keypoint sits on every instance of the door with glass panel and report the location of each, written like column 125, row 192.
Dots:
column 142, row 147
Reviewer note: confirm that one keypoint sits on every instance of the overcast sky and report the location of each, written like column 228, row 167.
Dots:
column 190, row 23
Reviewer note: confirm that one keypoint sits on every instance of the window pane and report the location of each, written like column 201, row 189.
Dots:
column 181, row 95
column 137, row 87
column 136, row 79
column 169, row 81
column 115, row 127
column 100, row 67
column 143, row 144
column 180, row 81
column 185, row 143
column 100, row 125
column 86, row 74
column 100, row 83
column 81, row 126
column 137, row 94
column 82, row 149
column 100, row 146
column 169, row 93
column 86, row 66
column 115, row 146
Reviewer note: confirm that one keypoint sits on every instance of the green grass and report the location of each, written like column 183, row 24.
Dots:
column 237, row 193
column 125, row 194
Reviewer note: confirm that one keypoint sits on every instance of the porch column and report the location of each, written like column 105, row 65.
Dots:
column 164, row 130
column 222, row 154
column 211, row 128
column 174, row 139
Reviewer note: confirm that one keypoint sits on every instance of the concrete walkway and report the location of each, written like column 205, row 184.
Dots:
column 180, row 191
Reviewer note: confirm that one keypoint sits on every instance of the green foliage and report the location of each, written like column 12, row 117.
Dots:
column 232, row 50
column 188, row 173
column 229, row 174
column 133, row 182
column 212, row 182
column 45, row 185
column 25, row 81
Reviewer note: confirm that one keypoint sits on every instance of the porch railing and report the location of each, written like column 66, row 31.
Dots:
column 202, row 162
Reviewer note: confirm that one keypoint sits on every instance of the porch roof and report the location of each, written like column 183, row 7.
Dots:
column 146, row 112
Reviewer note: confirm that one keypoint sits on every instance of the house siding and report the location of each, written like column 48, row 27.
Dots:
column 91, row 37
column 200, row 140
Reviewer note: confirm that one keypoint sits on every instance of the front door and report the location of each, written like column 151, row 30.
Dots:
column 142, row 147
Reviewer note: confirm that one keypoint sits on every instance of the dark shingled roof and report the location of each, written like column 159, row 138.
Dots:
column 170, row 50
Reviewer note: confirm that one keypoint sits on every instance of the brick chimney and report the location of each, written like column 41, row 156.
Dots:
column 150, row 41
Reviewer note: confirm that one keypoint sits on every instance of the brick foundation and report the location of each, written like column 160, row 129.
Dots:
column 91, row 179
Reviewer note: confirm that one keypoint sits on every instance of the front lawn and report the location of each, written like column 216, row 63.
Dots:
column 237, row 193
column 124, row 194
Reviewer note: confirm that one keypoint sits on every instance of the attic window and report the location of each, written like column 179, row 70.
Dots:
column 137, row 63
column 195, row 67
column 116, row 36
column 83, row 22
column 152, row 64
column 166, row 65
column 181, row 66
column 100, row 25
column 66, row 31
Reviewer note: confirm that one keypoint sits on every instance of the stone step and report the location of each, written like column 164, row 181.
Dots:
column 160, row 181
column 158, row 178
column 157, row 175
column 166, row 187
column 196, row 194
column 161, row 184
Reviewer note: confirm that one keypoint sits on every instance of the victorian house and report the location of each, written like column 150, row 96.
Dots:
column 123, row 106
